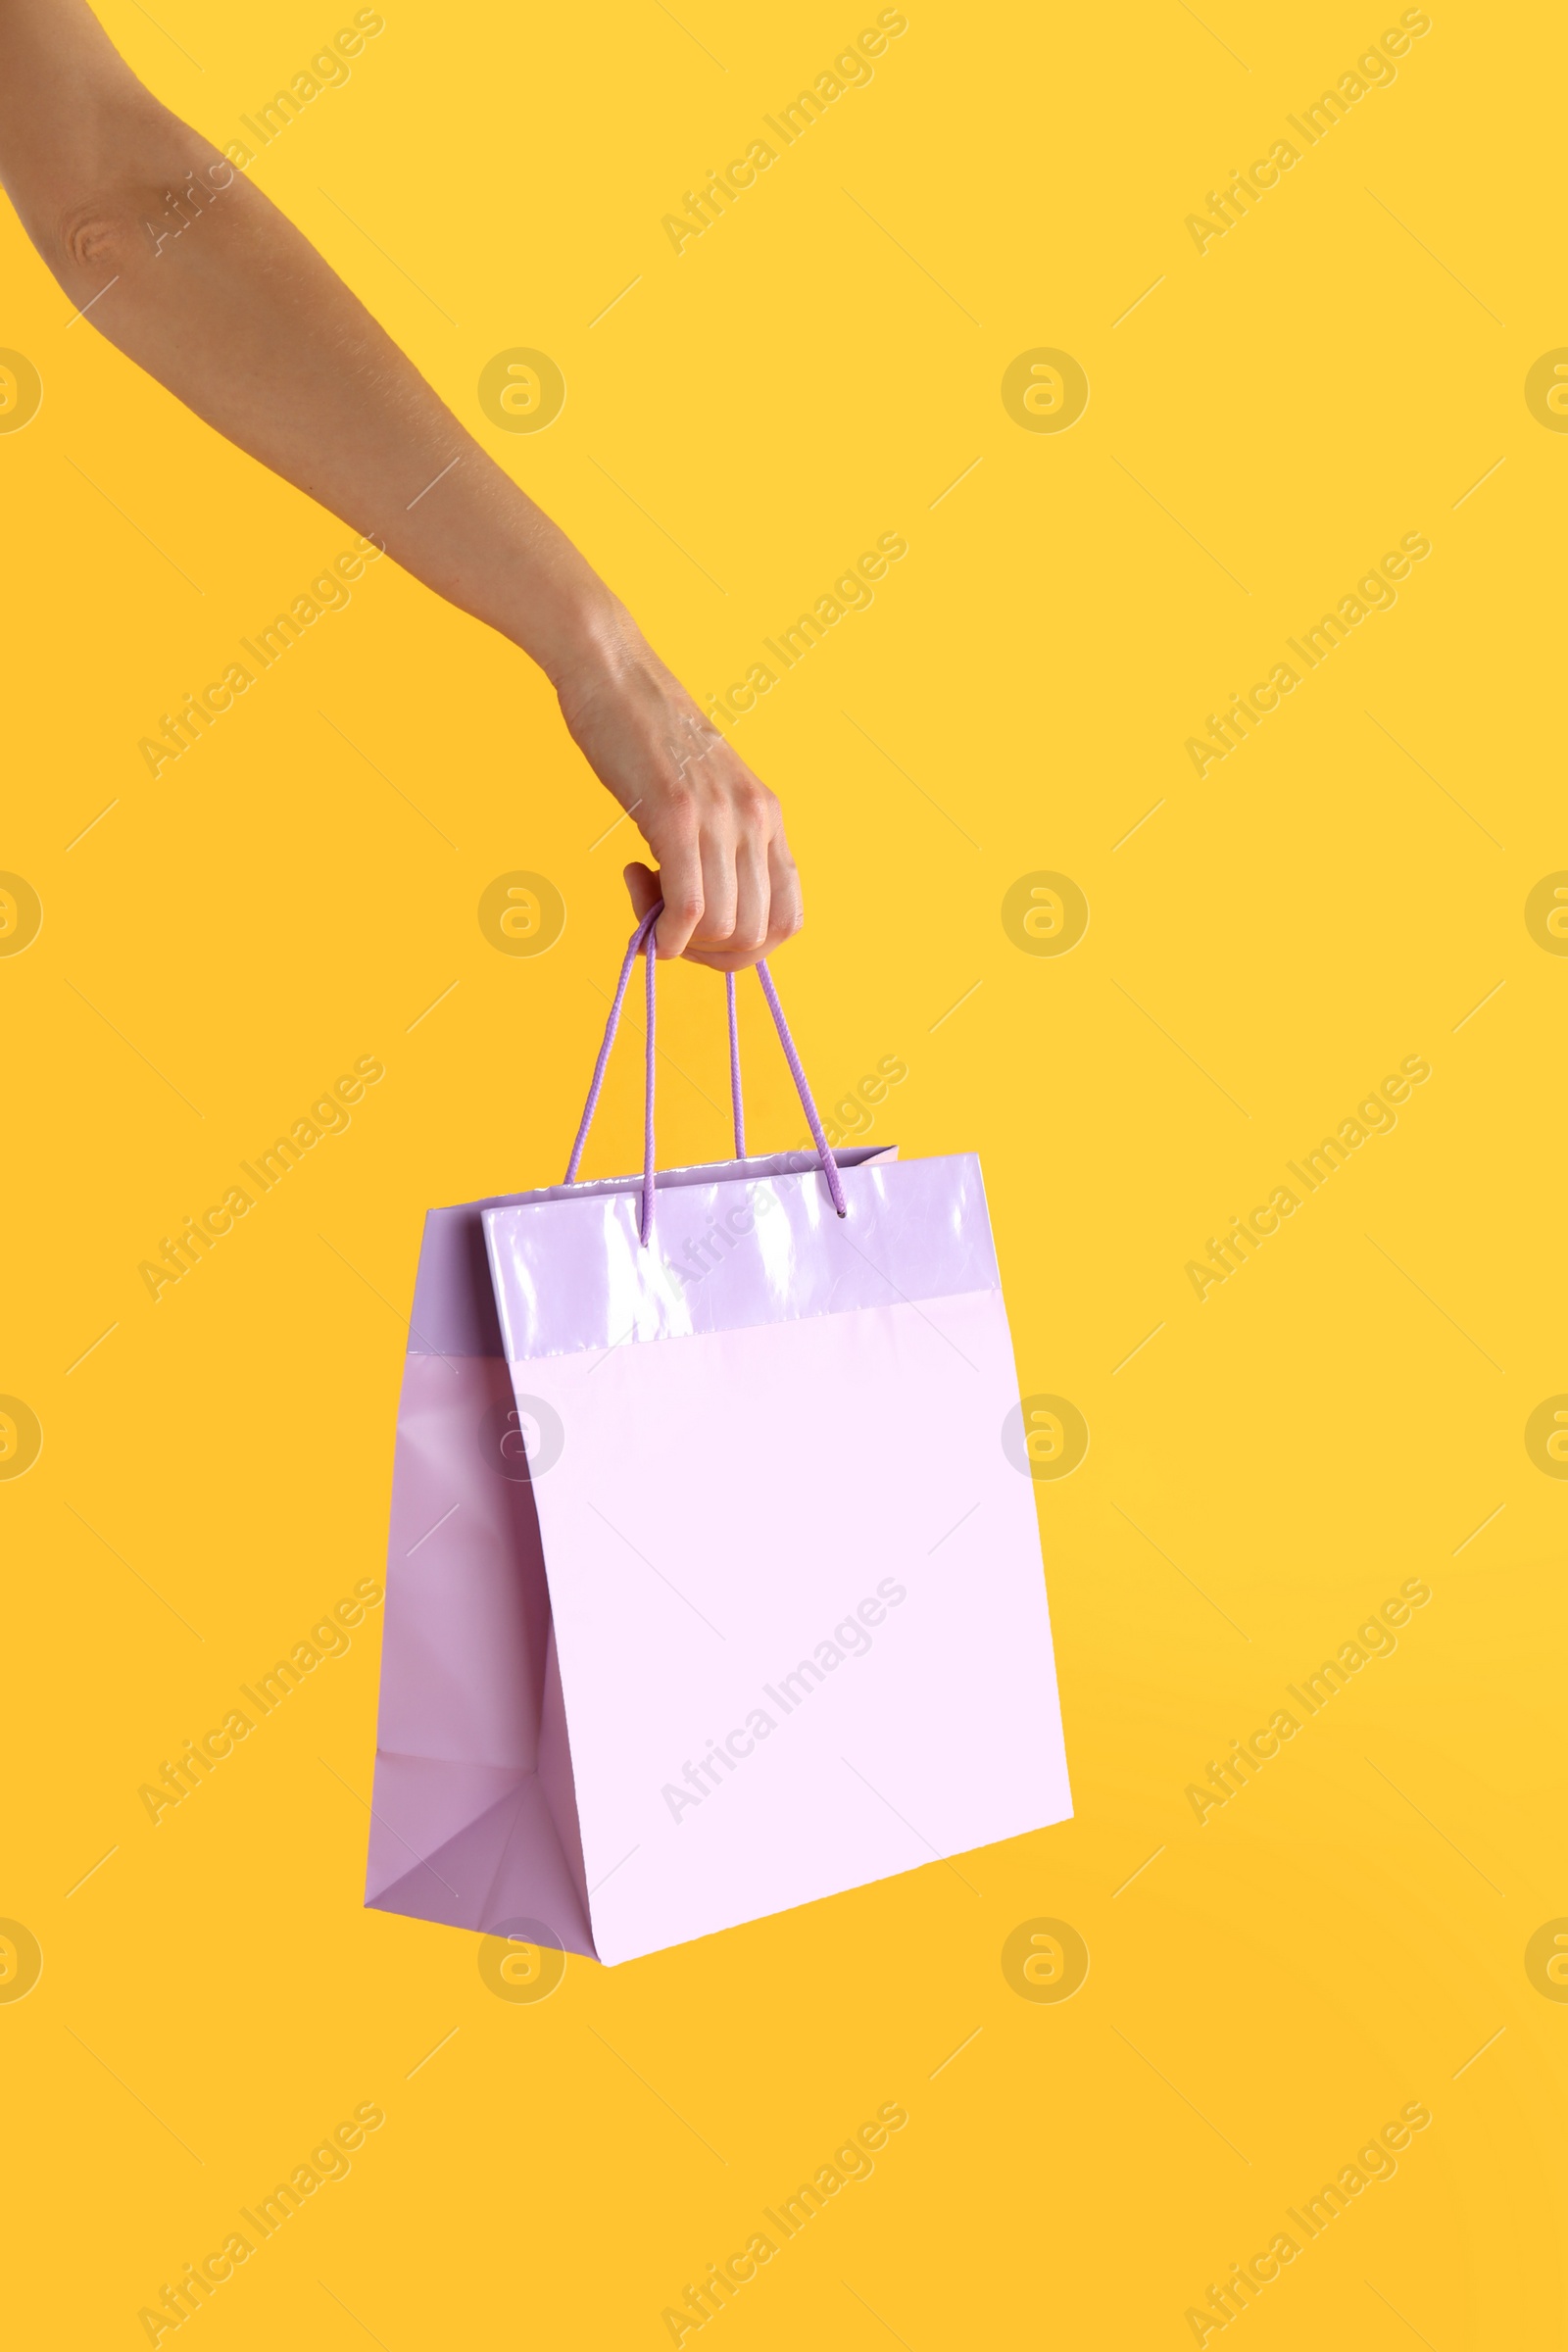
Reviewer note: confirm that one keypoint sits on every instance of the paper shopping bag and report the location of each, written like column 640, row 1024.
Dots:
column 711, row 1586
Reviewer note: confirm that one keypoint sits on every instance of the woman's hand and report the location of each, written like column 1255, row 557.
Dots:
column 244, row 321
column 725, row 871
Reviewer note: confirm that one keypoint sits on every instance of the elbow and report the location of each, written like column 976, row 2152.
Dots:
column 102, row 184
column 92, row 242
column 96, row 235
column 119, row 227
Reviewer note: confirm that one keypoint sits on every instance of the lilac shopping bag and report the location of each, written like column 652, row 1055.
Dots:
column 711, row 1589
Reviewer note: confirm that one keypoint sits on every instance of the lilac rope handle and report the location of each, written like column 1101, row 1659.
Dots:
column 646, row 1223
column 611, row 1026
column 830, row 1166
column 736, row 1104
column 642, row 943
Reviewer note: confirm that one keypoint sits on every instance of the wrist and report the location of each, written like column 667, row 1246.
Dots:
column 599, row 649
column 541, row 593
column 582, row 636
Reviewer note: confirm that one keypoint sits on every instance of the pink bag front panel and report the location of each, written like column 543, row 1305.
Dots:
column 796, row 1582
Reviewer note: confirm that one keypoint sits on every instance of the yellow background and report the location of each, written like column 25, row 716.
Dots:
column 1341, row 1939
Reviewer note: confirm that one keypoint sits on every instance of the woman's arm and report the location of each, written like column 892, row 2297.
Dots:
column 242, row 320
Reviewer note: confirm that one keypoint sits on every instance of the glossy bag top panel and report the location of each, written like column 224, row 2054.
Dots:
column 453, row 1303
column 570, row 1272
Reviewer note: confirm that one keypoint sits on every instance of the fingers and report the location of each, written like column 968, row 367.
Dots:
column 786, row 913
column 737, row 862
column 718, row 850
column 753, row 891
column 679, row 849
column 730, row 890
column 737, row 871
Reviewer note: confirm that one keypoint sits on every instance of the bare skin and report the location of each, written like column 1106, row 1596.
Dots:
column 241, row 320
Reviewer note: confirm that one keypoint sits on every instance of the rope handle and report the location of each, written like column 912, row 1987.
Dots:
column 641, row 942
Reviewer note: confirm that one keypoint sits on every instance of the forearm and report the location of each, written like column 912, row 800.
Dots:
column 175, row 258
column 223, row 300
